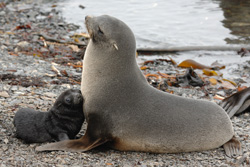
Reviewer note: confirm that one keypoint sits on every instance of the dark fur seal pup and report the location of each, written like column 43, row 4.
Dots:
column 125, row 112
column 237, row 103
column 63, row 121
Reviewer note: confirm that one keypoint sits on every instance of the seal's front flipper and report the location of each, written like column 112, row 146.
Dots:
column 82, row 144
column 233, row 147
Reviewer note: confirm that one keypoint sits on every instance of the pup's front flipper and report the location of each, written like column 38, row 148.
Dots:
column 63, row 136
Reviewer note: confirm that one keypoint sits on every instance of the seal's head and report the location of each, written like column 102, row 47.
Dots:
column 110, row 33
column 69, row 102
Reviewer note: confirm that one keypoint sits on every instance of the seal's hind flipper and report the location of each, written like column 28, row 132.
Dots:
column 233, row 147
column 82, row 144
column 244, row 108
column 237, row 103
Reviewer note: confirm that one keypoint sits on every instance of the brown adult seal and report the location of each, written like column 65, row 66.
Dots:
column 125, row 112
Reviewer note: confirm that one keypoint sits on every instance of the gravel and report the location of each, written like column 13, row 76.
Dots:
column 31, row 81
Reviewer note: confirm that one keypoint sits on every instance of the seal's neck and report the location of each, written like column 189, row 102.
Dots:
column 103, row 62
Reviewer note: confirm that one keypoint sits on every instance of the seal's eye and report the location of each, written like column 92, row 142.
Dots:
column 68, row 100
column 100, row 31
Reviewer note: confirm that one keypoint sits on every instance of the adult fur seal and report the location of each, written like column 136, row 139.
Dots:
column 63, row 121
column 237, row 103
column 126, row 113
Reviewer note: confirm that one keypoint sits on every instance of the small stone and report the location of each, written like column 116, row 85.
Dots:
column 49, row 94
column 23, row 44
column 5, row 148
column 2, row 13
column 221, row 93
column 20, row 93
column 3, row 47
column 35, row 38
column 15, row 102
column 44, row 50
column 51, row 47
column 14, row 88
column 6, row 141
column 16, row 50
column 4, row 94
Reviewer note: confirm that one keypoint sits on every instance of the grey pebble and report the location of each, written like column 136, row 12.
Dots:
column 22, row 44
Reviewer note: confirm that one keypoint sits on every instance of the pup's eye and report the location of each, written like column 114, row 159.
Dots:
column 67, row 100
column 100, row 31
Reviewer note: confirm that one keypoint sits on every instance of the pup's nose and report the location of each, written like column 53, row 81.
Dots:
column 78, row 91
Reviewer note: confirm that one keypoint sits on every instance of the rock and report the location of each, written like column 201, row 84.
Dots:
column 15, row 102
column 2, row 13
column 32, row 15
column 4, row 94
column 44, row 49
column 23, row 44
column 6, row 141
column 3, row 47
column 35, row 38
column 14, row 88
column 49, row 94
column 222, row 93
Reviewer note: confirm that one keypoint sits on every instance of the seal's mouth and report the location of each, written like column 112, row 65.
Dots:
column 88, row 26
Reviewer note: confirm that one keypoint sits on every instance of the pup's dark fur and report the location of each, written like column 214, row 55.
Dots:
column 63, row 121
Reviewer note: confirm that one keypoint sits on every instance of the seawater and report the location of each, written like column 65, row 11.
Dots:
column 169, row 23
column 158, row 23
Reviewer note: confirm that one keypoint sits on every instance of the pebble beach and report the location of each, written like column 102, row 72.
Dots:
column 35, row 71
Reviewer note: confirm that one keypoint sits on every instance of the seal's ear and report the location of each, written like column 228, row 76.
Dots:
column 115, row 45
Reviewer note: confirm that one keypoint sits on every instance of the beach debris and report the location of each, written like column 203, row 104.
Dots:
column 232, row 82
column 211, row 72
column 55, row 69
column 244, row 52
column 20, row 27
column 144, row 67
column 195, row 65
column 81, row 6
column 241, row 88
column 218, row 97
column 158, row 61
column 190, row 78
column 213, row 81
column 218, row 65
column 191, row 63
column 24, row 81
column 2, row 5
column 226, row 84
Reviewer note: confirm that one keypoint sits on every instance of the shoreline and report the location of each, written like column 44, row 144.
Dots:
column 35, row 72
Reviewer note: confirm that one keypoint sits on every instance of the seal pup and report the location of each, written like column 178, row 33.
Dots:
column 62, row 122
column 237, row 103
column 126, row 113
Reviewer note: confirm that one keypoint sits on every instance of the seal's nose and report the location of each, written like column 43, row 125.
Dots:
column 87, row 17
